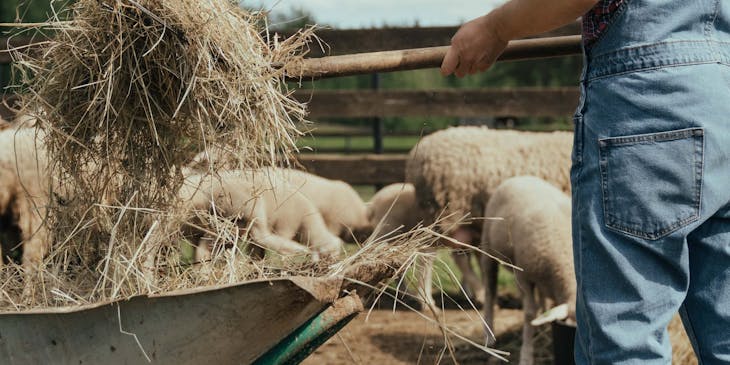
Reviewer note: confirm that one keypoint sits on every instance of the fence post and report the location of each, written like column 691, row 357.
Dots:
column 377, row 125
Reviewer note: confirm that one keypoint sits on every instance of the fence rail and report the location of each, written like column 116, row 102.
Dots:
column 554, row 102
column 344, row 41
column 357, row 170
column 374, row 169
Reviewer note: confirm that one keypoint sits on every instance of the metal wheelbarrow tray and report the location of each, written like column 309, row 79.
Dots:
column 278, row 321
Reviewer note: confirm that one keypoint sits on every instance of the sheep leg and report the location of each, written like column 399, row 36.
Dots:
column 425, row 282
column 268, row 240
column 321, row 239
column 490, row 272
column 478, row 289
column 203, row 252
column 529, row 306
column 261, row 233
column 469, row 279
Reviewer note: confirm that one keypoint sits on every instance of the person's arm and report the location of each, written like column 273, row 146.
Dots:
column 478, row 43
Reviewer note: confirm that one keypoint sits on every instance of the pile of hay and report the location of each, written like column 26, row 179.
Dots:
column 128, row 92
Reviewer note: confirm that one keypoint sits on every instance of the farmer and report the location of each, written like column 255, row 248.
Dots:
column 651, row 167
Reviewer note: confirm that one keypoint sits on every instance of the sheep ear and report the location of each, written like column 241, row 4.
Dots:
column 554, row 314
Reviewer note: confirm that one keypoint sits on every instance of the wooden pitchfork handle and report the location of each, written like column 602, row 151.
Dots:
column 419, row 58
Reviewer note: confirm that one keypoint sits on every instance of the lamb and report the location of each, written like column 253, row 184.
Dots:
column 24, row 189
column 343, row 210
column 395, row 209
column 456, row 170
column 535, row 235
column 272, row 211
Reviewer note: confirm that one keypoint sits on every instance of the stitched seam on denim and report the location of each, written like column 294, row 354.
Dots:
column 652, row 137
column 690, row 330
column 586, row 340
column 710, row 24
column 656, row 234
column 633, row 69
column 609, row 26
column 652, row 69
column 699, row 171
column 595, row 57
column 603, row 164
column 578, row 139
column 614, row 223
column 656, row 55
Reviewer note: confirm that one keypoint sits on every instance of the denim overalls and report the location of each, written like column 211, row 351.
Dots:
column 651, row 184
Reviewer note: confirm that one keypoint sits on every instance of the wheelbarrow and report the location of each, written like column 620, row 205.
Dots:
column 278, row 321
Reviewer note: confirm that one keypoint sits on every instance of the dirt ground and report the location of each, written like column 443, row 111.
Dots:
column 405, row 337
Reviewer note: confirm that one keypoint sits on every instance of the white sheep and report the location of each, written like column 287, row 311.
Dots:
column 394, row 209
column 24, row 189
column 341, row 206
column 270, row 210
column 534, row 235
column 343, row 210
column 456, row 170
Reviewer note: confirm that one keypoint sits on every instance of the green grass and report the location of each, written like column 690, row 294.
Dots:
column 447, row 277
column 357, row 143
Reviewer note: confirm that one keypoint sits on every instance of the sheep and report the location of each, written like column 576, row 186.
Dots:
column 343, row 210
column 271, row 210
column 455, row 171
column 534, row 235
column 24, row 189
column 395, row 209
column 341, row 206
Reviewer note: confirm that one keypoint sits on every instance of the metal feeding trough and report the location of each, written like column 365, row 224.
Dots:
column 563, row 343
column 278, row 321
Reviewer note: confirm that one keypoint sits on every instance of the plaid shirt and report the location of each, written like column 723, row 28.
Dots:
column 596, row 20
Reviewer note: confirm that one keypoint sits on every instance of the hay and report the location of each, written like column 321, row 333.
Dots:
column 128, row 92
column 682, row 352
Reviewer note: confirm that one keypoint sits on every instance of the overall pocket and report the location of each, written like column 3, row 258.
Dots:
column 652, row 183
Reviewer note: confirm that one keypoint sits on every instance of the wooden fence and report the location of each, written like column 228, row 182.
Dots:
column 523, row 102
column 383, row 169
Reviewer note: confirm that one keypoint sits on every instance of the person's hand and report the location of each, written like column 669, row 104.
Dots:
column 474, row 48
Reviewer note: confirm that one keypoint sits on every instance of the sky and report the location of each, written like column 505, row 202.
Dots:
column 374, row 13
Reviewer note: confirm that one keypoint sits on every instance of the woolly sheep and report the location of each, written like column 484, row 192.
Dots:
column 394, row 210
column 534, row 235
column 456, row 170
column 343, row 210
column 24, row 189
column 272, row 210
